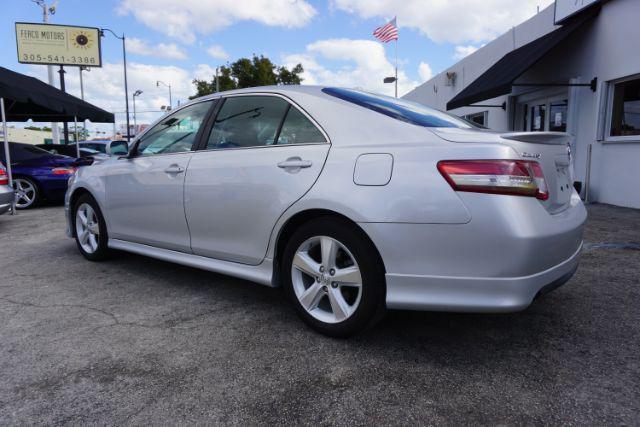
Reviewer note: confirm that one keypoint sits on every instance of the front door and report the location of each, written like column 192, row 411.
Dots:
column 262, row 155
column 145, row 192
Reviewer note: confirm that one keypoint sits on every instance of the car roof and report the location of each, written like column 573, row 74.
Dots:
column 308, row 89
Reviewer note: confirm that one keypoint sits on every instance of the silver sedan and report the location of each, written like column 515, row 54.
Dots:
column 353, row 202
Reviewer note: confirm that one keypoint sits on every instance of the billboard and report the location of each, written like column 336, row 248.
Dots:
column 566, row 8
column 52, row 44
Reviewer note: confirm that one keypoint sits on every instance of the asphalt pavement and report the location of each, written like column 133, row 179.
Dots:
column 139, row 341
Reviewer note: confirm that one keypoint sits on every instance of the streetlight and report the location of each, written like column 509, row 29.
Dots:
column 392, row 80
column 169, row 86
column 136, row 93
column 126, row 89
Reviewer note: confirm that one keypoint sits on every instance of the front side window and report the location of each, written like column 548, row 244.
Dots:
column 399, row 109
column 625, row 111
column 247, row 121
column 175, row 133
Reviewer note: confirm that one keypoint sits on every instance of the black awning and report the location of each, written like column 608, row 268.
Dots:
column 498, row 79
column 29, row 98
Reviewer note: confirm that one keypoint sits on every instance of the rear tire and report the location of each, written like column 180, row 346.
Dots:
column 334, row 277
column 90, row 229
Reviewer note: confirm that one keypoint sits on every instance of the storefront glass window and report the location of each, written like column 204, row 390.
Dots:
column 625, row 113
column 538, row 113
column 558, row 116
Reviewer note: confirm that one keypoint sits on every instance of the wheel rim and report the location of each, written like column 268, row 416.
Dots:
column 25, row 193
column 326, row 279
column 87, row 228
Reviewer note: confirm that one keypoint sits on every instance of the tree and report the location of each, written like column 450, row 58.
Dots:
column 245, row 72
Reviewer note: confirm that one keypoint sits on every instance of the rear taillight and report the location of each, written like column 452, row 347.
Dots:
column 513, row 177
column 63, row 171
column 4, row 179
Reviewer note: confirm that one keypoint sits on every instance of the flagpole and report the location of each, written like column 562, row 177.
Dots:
column 396, row 82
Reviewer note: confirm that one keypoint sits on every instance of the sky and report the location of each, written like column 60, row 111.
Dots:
column 175, row 41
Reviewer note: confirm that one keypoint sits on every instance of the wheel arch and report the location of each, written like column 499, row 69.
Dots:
column 73, row 198
column 295, row 221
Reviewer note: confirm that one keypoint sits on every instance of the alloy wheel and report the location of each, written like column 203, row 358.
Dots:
column 326, row 279
column 87, row 228
column 25, row 193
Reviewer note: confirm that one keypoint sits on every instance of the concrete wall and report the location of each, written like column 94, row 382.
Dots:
column 606, row 48
column 27, row 136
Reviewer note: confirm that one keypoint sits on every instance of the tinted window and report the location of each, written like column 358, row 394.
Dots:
column 98, row 147
column 297, row 129
column 175, row 133
column 400, row 109
column 22, row 152
column 247, row 121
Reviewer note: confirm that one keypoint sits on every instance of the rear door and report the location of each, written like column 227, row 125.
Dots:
column 262, row 154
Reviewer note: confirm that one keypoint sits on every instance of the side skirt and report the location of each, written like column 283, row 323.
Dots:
column 261, row 274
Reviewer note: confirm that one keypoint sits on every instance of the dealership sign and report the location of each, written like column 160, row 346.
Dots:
column 566, row 8
column 58, row 45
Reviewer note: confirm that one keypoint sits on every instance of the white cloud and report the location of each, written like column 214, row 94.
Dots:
column 425, row 71
column 462, row 51
column 160, row 50
column 104, row 87
column 185, row 19
column 363, row 64
column 217, row 52
column 446, row 20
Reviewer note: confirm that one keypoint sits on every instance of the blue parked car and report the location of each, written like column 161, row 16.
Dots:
column 37, row 174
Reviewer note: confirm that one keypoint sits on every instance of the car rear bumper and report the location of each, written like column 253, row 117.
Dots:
column 6, row 198
column 473, row 294
column 510, row 250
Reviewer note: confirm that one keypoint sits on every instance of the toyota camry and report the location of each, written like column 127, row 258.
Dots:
column 352, row 202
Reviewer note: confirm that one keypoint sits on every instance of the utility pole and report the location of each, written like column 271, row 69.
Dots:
column 84, row 122
column 46, row 11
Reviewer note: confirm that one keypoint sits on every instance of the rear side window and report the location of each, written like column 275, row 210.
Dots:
column 297, row 129
column 399, row 109
column 247, row 121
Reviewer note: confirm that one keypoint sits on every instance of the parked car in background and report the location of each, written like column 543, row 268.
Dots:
column 353, row 202
column 6, row 193
column 106, row 146
column 37, row 174
column 69, row 150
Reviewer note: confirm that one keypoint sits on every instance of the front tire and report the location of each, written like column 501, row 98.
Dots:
column 90, row 229
column 334, row 277
column 27, row 193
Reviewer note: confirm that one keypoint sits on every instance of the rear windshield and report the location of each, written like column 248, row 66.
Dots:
column 400, row 109
column 22, row 152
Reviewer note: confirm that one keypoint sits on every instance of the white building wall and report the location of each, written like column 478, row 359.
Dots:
column 606, row 48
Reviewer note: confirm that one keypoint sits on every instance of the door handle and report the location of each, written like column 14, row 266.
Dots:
column 295, row 163
column 174, row 169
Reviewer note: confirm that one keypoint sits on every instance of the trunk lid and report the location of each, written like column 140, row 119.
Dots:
column 549, row 149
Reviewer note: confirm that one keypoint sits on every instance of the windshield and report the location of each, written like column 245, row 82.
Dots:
column 400, row 109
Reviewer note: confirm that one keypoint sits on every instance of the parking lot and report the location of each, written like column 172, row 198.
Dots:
column 135, row 340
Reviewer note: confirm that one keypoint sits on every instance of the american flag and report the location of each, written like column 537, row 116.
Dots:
column 387, row 32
